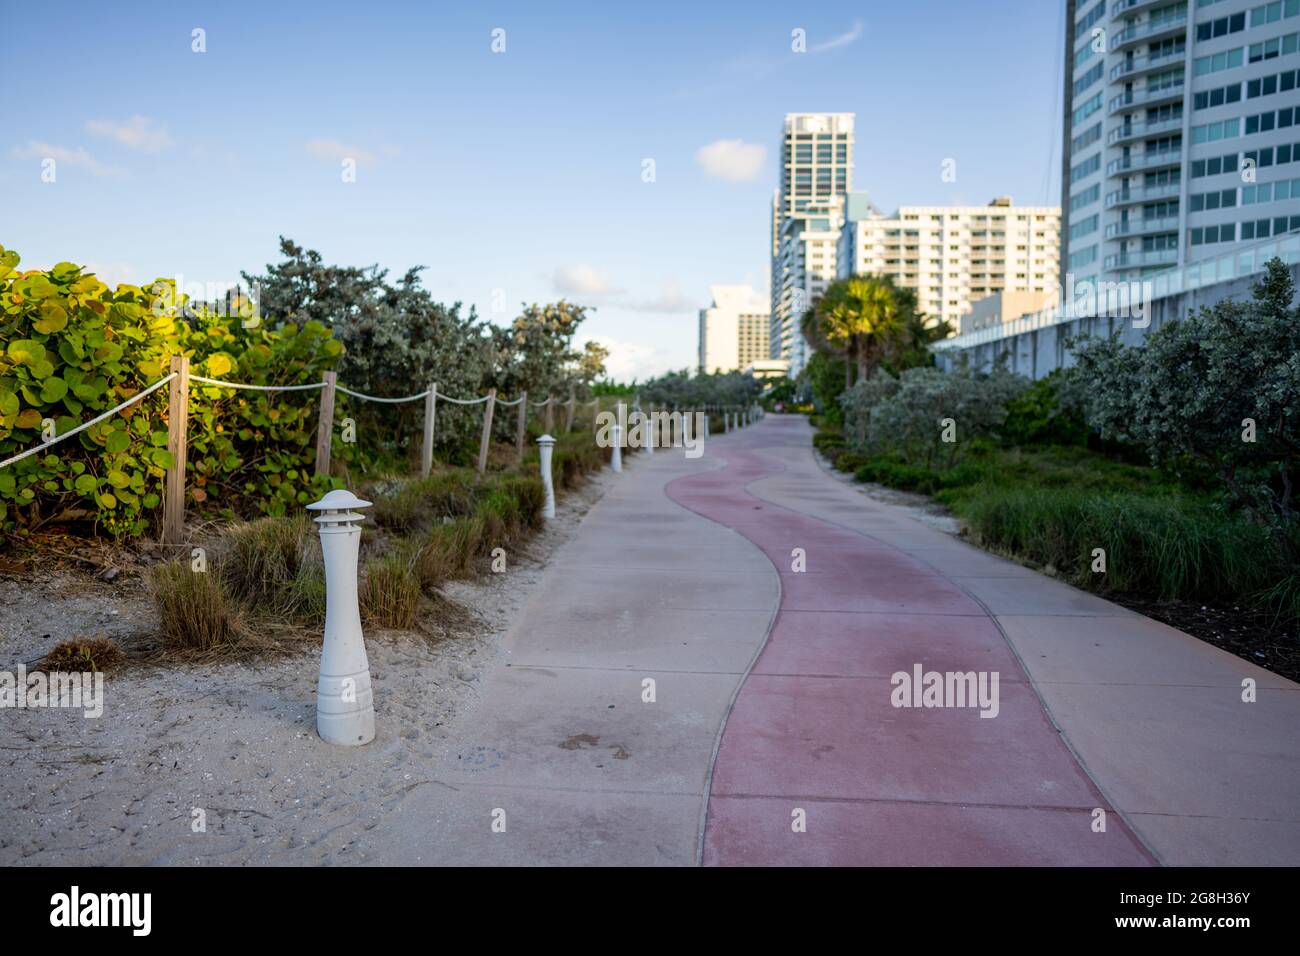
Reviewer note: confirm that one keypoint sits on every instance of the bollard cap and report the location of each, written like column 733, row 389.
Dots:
column 339, row 506
column 546, row 440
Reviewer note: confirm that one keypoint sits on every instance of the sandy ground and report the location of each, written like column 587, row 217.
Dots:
column 233, row 741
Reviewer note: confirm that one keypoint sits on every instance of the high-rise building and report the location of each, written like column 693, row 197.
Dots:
column 953, row 256
column 816, row 167
column 1181, row 132
column 733, row 330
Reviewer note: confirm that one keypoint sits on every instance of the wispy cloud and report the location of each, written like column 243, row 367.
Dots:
column 670, row 299
column 747, row 69
column 35, row 149
column 139, row 132
column 732, row 159
column 582, row 279
column 334, row 150
column 844, row 39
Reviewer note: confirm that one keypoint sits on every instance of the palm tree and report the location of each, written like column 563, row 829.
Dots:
column 865, row 317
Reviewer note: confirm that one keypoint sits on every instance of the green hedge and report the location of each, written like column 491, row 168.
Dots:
column 71, row 348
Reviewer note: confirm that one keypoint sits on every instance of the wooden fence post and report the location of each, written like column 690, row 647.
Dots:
column 521, row 430
column 550, row 414
column 178, row 410
column 568, row 414
column 486, row 440
column 325, row 424
column 430, row 409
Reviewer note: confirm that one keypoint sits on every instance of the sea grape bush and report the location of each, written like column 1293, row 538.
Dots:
column 1220, row 390
column 71, row 348
column 904, row 415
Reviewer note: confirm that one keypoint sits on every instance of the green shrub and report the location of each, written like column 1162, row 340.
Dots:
column 1037, row 416
column 913, row 416
column 71, row 348
column 1220, row 388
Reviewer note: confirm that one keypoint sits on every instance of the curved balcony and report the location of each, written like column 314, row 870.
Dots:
column 1154, row 257
column 1144, row 161
column 1147, row 32
column 1141, row 227
column 1136, row 99
column 1139, row 65
column 1141, row 194
column 1128, row 6
column 1128, row 132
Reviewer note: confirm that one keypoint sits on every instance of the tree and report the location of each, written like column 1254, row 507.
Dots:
column 864, row 317
column 535, row 352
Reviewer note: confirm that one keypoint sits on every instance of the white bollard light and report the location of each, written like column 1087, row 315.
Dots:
column 616, row 456
column 545, row 448
column 345, row 710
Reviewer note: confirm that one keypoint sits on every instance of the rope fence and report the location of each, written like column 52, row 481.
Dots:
column 179, row 380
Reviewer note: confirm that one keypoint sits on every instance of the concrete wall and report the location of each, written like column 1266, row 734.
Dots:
column 1038, row 352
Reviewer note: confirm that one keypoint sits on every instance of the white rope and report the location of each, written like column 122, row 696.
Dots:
column 502, row 401
column 545, row 401
column 462, row 401
column 259, row 388
column 94, row 421
column 388, row 401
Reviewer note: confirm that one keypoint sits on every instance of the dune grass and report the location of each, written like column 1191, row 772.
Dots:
column 267, row 576
column 1051, row 507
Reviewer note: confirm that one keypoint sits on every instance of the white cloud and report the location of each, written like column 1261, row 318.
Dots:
column 333, row 149
column 581, row 279
column 139, row 132
column 844, row 39
column 669, row 299
column 67, row 157
column 635, row 360
column 732, row 159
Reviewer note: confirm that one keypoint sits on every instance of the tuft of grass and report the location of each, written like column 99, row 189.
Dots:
column 390, row 591
column 420, row 503
column 195, row 612
column 81, row 654
column 274, row 566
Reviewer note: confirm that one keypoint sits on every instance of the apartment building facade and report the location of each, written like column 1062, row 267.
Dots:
column 733, row 329
column 1181, row 132
column 953, row 256
column 816, row 169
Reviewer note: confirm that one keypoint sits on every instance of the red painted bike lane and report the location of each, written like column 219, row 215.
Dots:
column 817, row 766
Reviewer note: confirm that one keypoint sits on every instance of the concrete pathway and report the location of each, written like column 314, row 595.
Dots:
column 1101, row 708
column 564, row 740
column 674, row 692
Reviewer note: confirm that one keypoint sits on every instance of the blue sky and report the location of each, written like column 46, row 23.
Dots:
column 513, row 176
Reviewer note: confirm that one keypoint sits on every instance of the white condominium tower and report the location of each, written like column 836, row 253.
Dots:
column 733, row 330
column 816, row 167
column 1181, row 134
column 953, row 256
